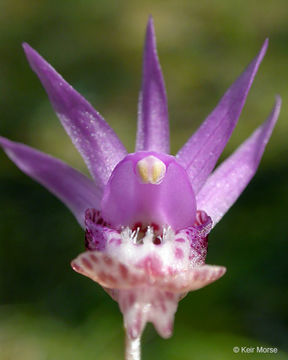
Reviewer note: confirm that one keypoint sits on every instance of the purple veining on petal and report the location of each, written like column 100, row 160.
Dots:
column 127, row 200
column 201, row 152
column 99, row 146
column 153, row 125
column 228, row 181
column 73, row 188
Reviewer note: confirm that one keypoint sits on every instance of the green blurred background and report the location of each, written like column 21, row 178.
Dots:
column 49, row 312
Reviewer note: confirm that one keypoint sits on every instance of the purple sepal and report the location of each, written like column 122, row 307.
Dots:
column 99, row 146
column 228, row 181
column 73, row 188
column 201, row 152
column 153, row 125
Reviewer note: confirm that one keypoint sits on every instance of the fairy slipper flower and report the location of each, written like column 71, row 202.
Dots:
column 146, row 215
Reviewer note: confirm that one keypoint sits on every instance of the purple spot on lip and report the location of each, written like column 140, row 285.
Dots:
column 181, row 240
column 87, row 263
column 123, row 271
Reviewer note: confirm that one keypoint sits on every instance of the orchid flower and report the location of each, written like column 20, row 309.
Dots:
column 146, row 215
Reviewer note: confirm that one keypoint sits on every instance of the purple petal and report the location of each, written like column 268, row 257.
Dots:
column 132, row 196
column 153, row 126
column 227, row 182
column 74, row 189
column 95, row 140
column 200, row 154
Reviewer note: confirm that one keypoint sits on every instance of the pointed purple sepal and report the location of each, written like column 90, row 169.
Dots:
column 74, row 189
column 200, row 154
column 99, row 146
column 228, row 181
column 153, row 126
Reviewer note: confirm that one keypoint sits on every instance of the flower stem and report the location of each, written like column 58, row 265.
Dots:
column 132, row 348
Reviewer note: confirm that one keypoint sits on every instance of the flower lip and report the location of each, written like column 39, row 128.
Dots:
column 167, row 201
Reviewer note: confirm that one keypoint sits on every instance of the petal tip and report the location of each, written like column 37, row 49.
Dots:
column 277, row 106
column 150, row 23
column 74, row 266
column 34, row 58
column 278, row 100
column 223, row 270
column 150, row 33
column 272, row 119
column 4, row 142
column 38, row 64
column 25, row 45
column 29, row 51
column 263, row 49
